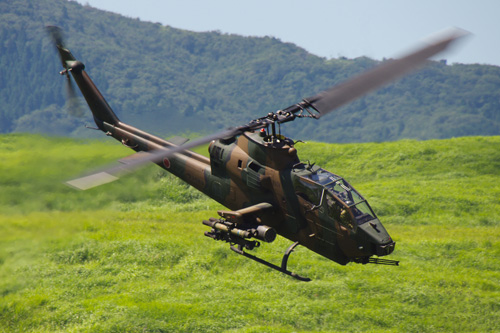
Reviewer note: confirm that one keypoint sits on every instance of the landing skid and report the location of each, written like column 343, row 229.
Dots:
column 284, row 261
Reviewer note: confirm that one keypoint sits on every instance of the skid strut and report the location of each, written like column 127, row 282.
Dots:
column 284, row 261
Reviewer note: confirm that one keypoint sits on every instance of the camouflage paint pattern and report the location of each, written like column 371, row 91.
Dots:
column 262, row 181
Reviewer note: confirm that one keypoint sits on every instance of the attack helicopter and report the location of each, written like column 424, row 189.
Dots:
column 256, row 173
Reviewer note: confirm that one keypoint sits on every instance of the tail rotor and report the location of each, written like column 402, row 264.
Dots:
column 73, row 105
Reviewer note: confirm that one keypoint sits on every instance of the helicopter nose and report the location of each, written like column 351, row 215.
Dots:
column 376, row 237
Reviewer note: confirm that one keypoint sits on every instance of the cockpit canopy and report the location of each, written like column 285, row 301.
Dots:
column 338, row 194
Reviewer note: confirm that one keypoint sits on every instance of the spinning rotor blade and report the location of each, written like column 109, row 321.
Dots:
column 74, row 107
column 331, row 99
column 56, row 34
column 324, row 103
column 114, row 172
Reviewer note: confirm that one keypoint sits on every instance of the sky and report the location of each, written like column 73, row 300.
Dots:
column 332, row 28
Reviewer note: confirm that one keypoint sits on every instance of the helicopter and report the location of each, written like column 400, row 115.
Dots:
column 255, row 172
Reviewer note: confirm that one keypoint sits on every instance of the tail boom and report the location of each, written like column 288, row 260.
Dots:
column 182, row 164
column 101, row 110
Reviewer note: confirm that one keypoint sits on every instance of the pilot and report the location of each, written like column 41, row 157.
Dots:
column 346, row 218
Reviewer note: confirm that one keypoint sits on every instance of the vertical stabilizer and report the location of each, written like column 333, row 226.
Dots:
column 100, row 108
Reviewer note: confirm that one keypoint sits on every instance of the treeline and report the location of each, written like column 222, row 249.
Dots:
column 169, row 81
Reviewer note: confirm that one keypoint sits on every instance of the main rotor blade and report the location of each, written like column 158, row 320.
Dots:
column 115, row 171
column 331, row 99
column 324, row 103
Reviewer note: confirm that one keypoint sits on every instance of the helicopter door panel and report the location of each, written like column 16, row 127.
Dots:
column 253, row 179
column 326, row 234
column 306, row 209
column 253, row 175
column 217, row 161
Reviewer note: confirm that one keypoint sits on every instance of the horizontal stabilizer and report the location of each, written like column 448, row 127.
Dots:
column 134, row 157
column 178, row 140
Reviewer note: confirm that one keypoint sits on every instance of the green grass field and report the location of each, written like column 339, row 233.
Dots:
column 131, row 256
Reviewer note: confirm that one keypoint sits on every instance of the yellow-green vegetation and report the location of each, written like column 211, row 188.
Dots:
column 131, row 256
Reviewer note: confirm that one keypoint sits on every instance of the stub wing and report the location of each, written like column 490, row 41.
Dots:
column 252, row 214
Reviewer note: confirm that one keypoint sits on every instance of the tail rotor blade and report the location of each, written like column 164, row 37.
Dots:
column 56, row 34
column 73, row 105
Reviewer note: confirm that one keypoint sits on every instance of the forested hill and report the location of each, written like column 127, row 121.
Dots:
column 171, row 81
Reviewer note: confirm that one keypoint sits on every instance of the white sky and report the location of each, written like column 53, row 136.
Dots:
column 333, row 28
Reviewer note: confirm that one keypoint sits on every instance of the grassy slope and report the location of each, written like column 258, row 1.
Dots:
column 132, row 255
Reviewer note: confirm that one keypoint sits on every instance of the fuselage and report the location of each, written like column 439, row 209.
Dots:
column 317, row 208
column 256, row 172
column 310, row 206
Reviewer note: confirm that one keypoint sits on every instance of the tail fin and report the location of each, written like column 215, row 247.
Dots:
column 100, row 109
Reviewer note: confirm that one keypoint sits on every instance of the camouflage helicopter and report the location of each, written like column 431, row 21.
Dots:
column 255, row 172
